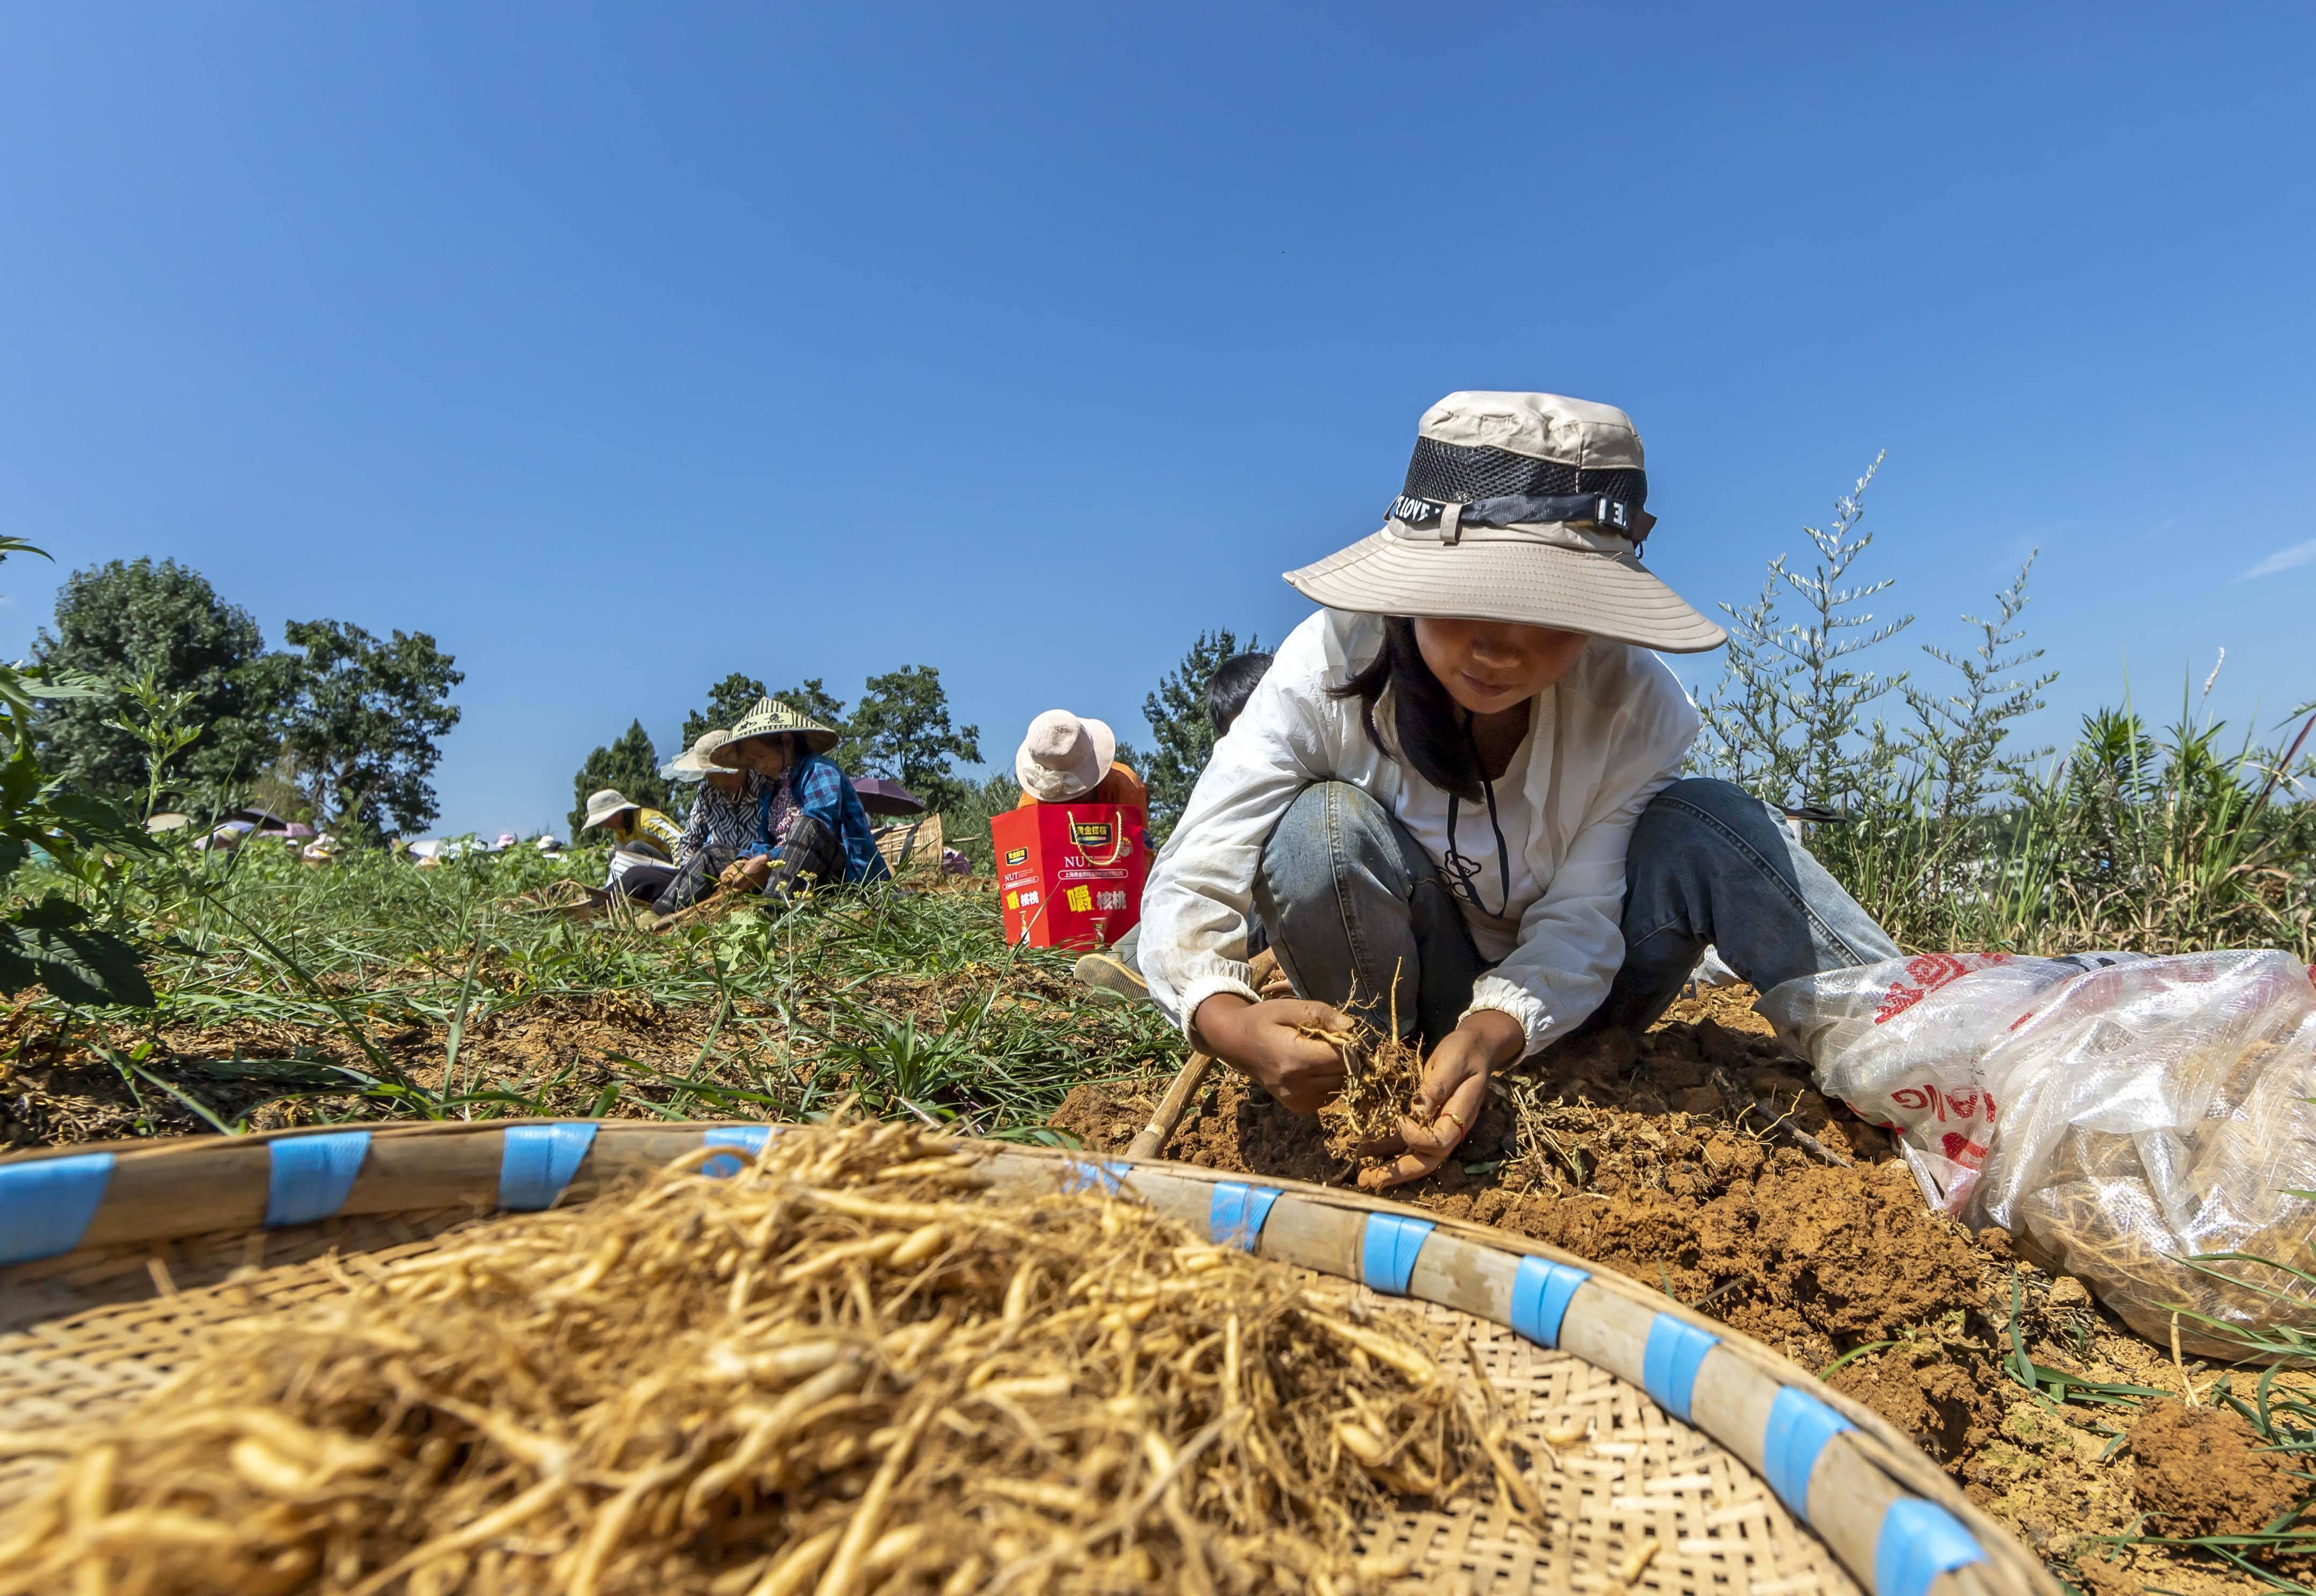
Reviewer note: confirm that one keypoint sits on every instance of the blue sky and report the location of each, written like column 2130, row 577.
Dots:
column 622, row 348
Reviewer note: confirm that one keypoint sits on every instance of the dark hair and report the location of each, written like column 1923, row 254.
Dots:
column 1433, row 731
column 794, row 741
column 1231, row 685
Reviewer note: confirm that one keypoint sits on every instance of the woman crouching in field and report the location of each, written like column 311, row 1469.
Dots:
column 1458, row 790
column 777, row 816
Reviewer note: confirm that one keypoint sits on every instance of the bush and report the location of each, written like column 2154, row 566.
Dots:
column 1953, row 836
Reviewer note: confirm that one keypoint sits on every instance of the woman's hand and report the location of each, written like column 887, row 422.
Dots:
column 750, row 873
column 1453, row 1091
column 1260, row 1040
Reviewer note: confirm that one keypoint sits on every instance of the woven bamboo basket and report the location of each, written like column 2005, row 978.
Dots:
column 1748, row 1475
column 912, row 846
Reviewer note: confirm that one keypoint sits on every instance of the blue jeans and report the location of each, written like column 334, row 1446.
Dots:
column 1355, row 906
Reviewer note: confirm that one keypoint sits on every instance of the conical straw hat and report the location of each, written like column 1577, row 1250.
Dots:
column 770, row 717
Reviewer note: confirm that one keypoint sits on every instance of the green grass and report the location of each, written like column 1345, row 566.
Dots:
column 907, row 1000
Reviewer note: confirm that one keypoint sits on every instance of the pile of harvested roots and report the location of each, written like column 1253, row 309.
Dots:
column 846, row 1369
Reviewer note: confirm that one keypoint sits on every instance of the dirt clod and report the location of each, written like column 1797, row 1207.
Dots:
column 1936, row 1400
column 2203, row 1471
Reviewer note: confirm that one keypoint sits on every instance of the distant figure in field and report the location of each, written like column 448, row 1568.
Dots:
column 1073, row 759
column 642, row 843
column 775, row 815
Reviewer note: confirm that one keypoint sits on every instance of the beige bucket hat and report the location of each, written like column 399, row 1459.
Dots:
column 601, row 806
column 1065, row 756
column 770, row 717
column 1521, row 507
column 694, row 763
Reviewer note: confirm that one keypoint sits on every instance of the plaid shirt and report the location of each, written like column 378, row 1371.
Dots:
column 825, row 793
column 734, row 824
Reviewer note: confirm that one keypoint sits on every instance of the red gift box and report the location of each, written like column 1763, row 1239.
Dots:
column 1071, row 875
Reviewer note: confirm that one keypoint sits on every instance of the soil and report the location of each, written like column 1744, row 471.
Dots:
column 2205, row 1471
column 1698, row 1159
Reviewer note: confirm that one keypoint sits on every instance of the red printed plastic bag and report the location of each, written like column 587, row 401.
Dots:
column 1070, row 874
column 2127, row 1119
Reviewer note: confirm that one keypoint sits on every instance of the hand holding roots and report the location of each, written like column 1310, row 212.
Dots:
column 846, row 1369
column 1381, row 1076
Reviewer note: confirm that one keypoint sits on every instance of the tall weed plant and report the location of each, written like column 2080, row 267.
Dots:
column 1919, row 793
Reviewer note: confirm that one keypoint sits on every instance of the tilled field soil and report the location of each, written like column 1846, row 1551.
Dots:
column 1698, row 1160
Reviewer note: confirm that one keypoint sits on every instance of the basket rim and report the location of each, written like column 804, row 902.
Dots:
column 1185, row 1190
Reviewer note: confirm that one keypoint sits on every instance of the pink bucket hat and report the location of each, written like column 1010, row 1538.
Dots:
column 1065, row 756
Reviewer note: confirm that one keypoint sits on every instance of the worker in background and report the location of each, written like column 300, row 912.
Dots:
column 813, row 829
column 1114, row 971
column 1073, row 759
column 642, row 843
column 726, row 822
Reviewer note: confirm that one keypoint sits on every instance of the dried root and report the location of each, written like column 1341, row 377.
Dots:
column 837, row 1372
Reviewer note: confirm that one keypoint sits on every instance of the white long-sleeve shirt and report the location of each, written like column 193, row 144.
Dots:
column 1602, row 742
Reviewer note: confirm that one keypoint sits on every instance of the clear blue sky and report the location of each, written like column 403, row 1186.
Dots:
column 622, row 348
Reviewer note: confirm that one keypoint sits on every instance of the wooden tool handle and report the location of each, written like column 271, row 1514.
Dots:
column 1151, row 1139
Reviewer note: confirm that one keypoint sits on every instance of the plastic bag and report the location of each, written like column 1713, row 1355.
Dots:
column 2118, row 1115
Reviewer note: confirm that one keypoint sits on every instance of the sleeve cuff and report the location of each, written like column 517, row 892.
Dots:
column 1231, row 977
column 1493, row 992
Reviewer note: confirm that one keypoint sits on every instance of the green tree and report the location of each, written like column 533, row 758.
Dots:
column 630, row 763
column 165, row 626
column 902, row 731
column 363, row 717
column 815, row 699
column 1185, row 737
column 727, row 700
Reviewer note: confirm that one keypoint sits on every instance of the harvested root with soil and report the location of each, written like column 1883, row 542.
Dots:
column 1380, row 1076
column 847, row 1368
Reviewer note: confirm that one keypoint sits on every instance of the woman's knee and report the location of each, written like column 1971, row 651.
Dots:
column 1699, row 825
column 1704, row 802
column 1328, row 824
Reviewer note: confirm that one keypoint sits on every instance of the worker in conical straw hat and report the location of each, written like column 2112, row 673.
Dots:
column 1458, row 790
column 803, row 825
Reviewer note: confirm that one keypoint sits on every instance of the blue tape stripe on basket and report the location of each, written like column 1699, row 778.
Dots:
column 1540, row 1295
column 1387, row 1250
column 749, row 1138
column 1668, row 1369
column 45, row 1205
column 308, row 1176
column 1798, row 1429
column 1082, row 1176
column 1236, row 1215
column 539, row 1161
column 1919, row 1541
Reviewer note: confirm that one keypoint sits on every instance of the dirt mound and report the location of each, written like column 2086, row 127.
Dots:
column 1667, row 1157
column 2203, row 1471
